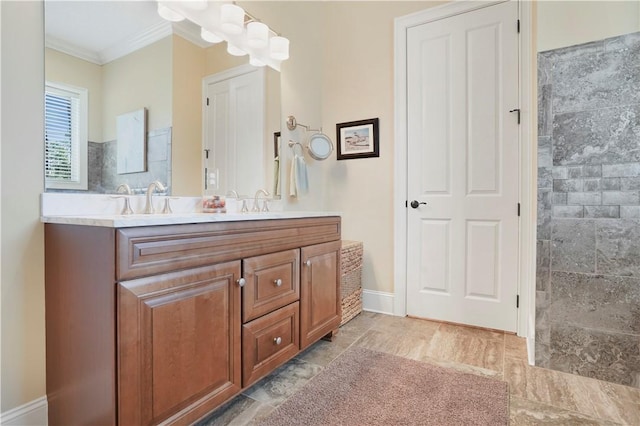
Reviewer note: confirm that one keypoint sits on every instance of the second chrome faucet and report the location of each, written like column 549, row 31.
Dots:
column 153, row 186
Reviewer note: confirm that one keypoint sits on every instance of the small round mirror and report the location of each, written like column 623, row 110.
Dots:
column 320, row 146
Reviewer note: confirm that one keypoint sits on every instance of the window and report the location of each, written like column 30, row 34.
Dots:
column 65, row 136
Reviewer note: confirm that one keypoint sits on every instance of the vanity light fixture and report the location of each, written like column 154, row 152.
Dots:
column 279, row 48
column 234, row 50
column 196, row 4
column 231, row 19
column 209, row 36
column 169, row 14
column 257, row 35
column 225, row 21
column 256, row 62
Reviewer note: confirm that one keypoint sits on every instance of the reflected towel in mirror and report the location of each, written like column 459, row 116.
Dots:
column 299, row 181
column 276, row 176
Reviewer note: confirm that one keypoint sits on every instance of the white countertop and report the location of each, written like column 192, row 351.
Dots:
column 127, row 221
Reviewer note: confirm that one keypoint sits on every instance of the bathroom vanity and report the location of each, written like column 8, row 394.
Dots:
column 163, row 323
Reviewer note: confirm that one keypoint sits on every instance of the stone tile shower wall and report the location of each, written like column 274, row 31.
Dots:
column 588, row 248
column 103, row 174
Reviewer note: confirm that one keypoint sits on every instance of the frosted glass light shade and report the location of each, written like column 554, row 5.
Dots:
column 231, row 18
column 235, row 51
column 196, row 4
column 256, row 62
column 209, row 36
column 257, row 35
column 279, row 48
column 168, row 14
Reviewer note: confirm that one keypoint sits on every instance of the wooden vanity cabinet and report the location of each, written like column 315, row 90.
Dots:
column 178, row 343
column 321, row 305
column 149, row 325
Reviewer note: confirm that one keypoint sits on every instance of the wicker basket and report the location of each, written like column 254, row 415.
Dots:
column 351, row 279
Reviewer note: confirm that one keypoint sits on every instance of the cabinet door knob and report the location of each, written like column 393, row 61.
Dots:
column 278, row 282
column 277, row 340
column 308, row 262
column 241, row 282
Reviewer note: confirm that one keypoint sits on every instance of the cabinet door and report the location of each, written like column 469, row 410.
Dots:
column 178, row 344
column 273, row 281
column 320, row 304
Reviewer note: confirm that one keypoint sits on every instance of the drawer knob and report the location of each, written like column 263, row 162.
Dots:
column 241, row 282
column 277, row 340
column 308, row 262
column 278, row 282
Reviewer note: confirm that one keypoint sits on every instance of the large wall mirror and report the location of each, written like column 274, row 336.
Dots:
column 124, row 58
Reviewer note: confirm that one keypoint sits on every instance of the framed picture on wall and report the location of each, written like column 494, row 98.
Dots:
column 358, row 139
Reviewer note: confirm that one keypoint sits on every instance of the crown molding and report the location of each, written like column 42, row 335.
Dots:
column 71, row 49
column 190, row 32
column 137, row 41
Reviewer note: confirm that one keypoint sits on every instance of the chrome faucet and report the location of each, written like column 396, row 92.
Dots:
column 256, row 208
column 123, row 187
column 148, row 209
column 126, row 189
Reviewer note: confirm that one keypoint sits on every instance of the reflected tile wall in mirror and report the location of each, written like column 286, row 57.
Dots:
column 103, row 177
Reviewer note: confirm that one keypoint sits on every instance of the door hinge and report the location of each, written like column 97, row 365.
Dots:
column 518, row 209
column 518, row 111
column 206, row 174
column 406, row 204
column 207, row 101
column 517, row 301
column 518, row 26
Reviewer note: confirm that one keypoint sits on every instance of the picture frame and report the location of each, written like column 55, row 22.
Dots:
column 358, row 139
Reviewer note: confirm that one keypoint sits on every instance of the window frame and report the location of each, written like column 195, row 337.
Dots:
column 81, row 162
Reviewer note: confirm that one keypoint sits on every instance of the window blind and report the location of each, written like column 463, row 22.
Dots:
column 62, row 121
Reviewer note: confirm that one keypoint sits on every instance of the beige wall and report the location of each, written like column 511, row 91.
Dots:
column 63, row 68
column 358, row 84
column 186, row 145
column 141, row 79
column 22, row 257
column 217, row 59
column 567, row 23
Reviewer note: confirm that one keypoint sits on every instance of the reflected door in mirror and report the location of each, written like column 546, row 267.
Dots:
column 234, row 131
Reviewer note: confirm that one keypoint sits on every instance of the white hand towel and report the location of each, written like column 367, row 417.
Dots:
column 293, row 190
column 276, row 176
column 302, row 179
column 298, row 179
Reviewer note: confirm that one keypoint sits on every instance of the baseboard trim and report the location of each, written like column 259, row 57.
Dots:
column 33, row 413
column 531, row 351
column 378, row 301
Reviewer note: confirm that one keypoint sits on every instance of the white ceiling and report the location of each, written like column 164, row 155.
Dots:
column 101, row 31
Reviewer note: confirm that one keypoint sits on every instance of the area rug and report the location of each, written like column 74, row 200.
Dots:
column 365, row 387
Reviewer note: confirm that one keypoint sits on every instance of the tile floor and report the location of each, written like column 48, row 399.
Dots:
column 537, row 395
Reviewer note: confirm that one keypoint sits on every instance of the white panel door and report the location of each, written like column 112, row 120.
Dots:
column 462, row 254
column 234, row 133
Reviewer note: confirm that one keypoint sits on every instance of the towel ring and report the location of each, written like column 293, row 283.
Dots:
column 293, row 145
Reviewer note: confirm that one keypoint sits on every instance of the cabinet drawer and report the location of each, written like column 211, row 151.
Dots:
column 268, row 342
column 272, row 281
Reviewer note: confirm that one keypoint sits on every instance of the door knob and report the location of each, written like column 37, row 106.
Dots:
column 241, row 282
column 308, row 263
column 415, row 204
column 278, row 282
column 277, row 340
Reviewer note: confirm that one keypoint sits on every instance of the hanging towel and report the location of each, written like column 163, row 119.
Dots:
column 298, row 180
column 276, row 176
